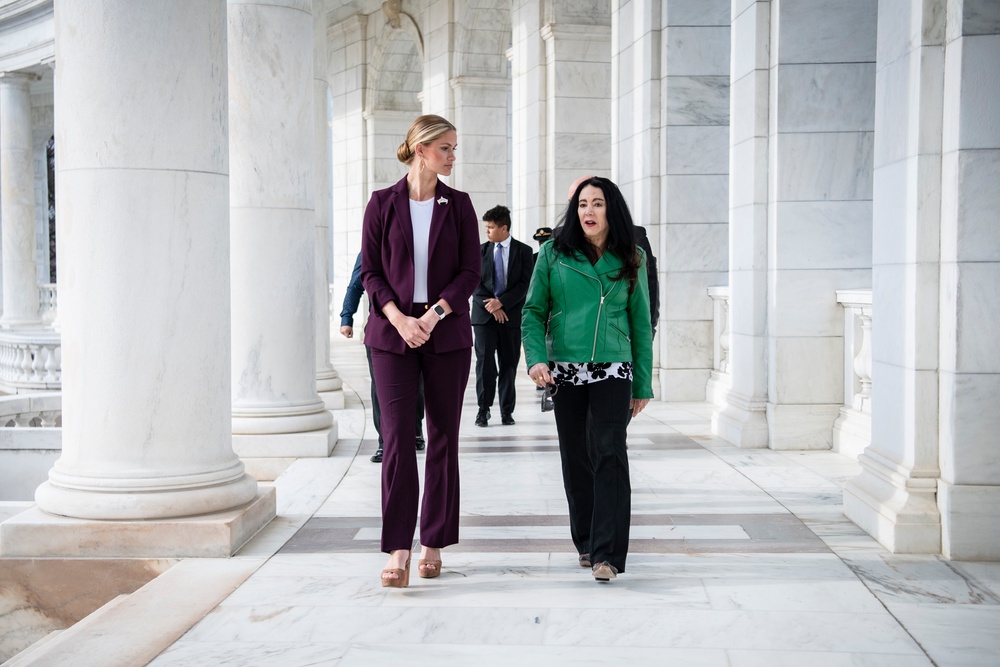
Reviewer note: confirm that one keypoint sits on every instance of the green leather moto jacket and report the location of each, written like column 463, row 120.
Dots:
column 577, row 312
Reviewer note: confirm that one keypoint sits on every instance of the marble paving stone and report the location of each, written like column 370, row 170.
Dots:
column 787, row 592
column 769, row 630
column 918, row 579
column 817, row 659
column 955, row 634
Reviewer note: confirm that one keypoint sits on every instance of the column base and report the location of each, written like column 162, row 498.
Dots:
column 801, row 427
column 310, row 444
column 896, row 508
column 852, row 432
column 970, row 521
column 683, row 384
column 37, row 534
column 741, row 422
column 333, row 400
column 717, row 388
column 281, row 420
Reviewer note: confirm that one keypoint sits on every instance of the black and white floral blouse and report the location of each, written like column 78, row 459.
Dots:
column 566, row 373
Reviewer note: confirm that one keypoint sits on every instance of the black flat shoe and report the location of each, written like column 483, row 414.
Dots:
column 377, row 458
column 585, row 560
column 507, row 420
column 604, row 571
column 483, row 418
column 421, row 443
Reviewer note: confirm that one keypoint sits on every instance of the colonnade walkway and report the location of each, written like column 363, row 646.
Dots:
column 740, row 558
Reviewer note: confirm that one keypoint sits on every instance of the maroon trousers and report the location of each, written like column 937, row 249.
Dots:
column 446, row 376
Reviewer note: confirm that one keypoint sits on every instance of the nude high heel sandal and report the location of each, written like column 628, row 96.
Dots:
column 428, row 569
column 402, row 579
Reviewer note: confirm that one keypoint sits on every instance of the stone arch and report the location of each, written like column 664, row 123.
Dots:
column 396, row 71
column 484, row 37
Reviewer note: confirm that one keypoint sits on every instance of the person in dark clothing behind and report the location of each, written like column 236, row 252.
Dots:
column 496, row 314
column 352, row 298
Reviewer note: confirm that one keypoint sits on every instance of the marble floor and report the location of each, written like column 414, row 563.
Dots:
column 740, row 558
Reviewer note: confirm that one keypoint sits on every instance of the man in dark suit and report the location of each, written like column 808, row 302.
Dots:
column 496, row 314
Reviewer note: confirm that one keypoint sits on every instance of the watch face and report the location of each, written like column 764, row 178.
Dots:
column 439, row 310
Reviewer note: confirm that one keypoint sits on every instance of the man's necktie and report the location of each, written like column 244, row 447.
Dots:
column 499, row 282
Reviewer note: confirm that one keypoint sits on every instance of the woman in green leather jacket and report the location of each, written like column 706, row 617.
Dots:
column 586, row 330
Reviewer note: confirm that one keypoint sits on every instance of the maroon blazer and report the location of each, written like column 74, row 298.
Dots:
column 387, row 264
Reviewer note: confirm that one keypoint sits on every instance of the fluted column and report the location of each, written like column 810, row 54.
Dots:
column 143, row 195
column 17, row 179
column 328, row 382
column 272, row 210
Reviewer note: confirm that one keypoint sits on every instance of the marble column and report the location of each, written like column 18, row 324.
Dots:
column 347, row 76
column 481, row 119
column 969, row 487
column 577, row 103
column 277, row 412
column 818, row 234
column 819, row 208
column 17, row 210
column 528, row 102
column 144, row 255
column 437, row 25
column 894, row 497
column 742, row 419
column 328, row 382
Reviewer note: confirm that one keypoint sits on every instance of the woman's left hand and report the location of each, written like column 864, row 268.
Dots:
column 638, row 405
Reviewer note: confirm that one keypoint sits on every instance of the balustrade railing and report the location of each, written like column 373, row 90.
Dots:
column 30, row 360
column 48, row 302
column 852, row 429
column 37, row 410
column 718, row 381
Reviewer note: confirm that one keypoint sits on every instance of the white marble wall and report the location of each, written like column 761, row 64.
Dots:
column 437, row 23
column 693, row 249
column 969, row 488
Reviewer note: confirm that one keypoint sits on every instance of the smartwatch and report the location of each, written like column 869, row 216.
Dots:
column 439, row 311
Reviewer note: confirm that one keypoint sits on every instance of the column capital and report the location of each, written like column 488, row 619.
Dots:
column 14, row 78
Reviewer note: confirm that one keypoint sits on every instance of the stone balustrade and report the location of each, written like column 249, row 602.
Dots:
column 30, row 359
column 30, row 442
column 852, row 429
column 48, row 302
column 718, row 380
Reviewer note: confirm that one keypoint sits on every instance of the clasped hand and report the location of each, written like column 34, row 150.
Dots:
column 414, row 331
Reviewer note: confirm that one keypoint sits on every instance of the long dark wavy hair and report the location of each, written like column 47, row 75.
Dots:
column 568, row 237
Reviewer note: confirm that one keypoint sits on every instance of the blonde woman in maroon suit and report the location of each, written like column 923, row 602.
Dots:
column 420, row 264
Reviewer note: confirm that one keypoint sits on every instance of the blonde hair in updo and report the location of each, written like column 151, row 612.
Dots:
column 424, row 130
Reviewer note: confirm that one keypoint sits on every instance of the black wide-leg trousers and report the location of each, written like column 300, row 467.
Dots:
column 595, row 466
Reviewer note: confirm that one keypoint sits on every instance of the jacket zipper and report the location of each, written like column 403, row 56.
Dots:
column 600, row 306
